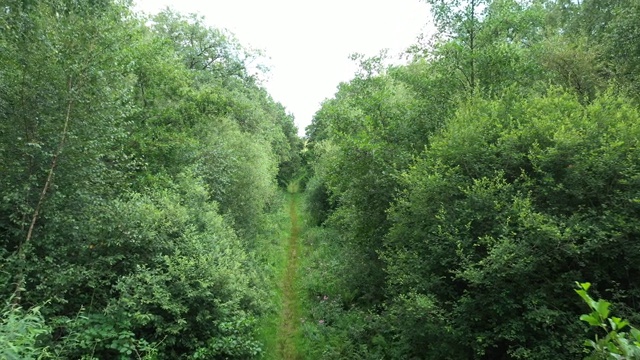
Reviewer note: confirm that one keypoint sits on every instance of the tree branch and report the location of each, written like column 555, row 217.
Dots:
column 43, row 194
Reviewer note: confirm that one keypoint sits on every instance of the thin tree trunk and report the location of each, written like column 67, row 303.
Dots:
column 20, row 278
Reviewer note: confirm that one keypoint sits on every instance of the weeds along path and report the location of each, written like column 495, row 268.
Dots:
column 289, row 323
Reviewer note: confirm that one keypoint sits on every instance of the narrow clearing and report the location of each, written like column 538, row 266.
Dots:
column 289, row 323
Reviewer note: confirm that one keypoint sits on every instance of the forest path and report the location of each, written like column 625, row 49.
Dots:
column 288, row 330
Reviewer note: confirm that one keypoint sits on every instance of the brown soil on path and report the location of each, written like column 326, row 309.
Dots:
column 289, row 322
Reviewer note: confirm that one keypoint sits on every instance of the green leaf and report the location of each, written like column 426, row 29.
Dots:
column 590, row 343
column 584, row 287
column 617, row 323
column 593, row 321
column 602, row 307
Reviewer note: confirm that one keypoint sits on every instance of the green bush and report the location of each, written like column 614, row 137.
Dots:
column 516, row 197
column 21, row 333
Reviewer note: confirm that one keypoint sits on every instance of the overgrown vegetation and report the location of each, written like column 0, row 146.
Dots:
column 459, row 197
column 451, row 203
column 139, row 160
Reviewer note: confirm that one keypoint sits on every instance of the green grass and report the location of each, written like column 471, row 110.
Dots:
column 273, row 254
column 279, row 331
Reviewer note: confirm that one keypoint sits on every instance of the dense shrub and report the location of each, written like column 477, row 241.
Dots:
column 135, row 175
column 513, row 200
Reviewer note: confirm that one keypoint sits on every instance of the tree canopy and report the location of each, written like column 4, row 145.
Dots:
column 138, row 160
column 464, row 193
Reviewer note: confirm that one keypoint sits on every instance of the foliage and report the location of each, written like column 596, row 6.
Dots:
column 20, row 332
column 240, row 173
column 136, row 171
column 456, row 197
column 463, row 192
column 508, row 197
column 359, row 143
column 619, row 342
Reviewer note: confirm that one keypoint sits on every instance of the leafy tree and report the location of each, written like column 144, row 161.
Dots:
column 203, row 48
column 369, row 135
column 477, row 182
column 461, row 21
column 111, row 211
column 507, row 202
column 55, row 86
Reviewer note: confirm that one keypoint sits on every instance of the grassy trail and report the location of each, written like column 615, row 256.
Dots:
column 288, row 331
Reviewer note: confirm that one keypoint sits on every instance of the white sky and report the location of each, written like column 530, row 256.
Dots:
column 309, row 42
